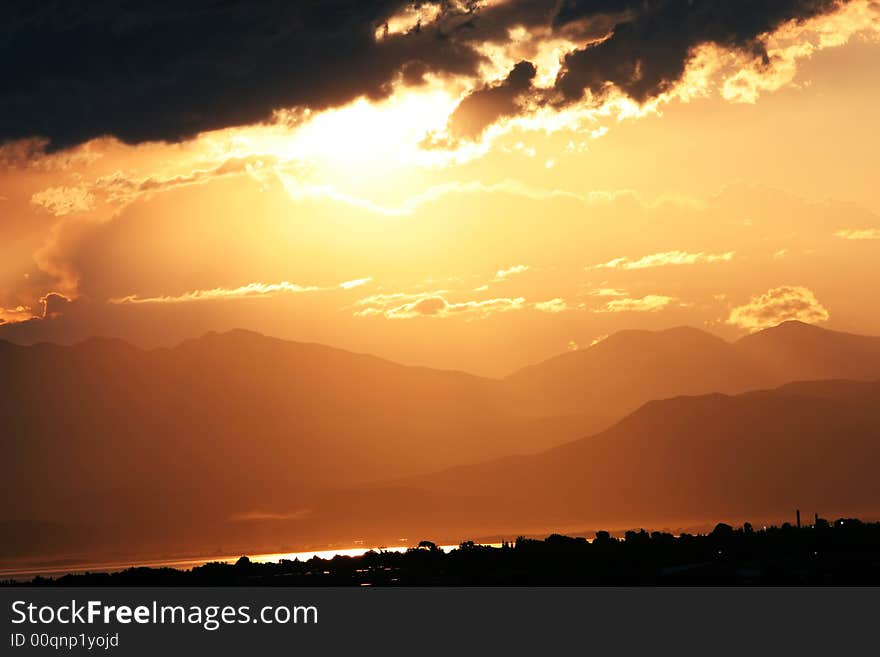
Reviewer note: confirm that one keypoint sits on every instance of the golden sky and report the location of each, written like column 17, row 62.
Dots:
column 471, row 220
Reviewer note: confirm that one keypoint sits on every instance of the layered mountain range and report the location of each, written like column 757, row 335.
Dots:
column 240, row 441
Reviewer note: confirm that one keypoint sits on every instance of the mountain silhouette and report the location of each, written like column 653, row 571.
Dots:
column 103, row 433
column 674, row 462
column 795, row 351
column 629, row 368
column 238, row 439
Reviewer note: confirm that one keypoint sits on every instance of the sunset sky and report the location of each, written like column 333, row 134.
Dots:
column 470, row 187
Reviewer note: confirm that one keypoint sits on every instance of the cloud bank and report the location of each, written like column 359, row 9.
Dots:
column 167, row 72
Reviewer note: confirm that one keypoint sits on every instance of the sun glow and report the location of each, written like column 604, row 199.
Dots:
column 366, row 149
column 384, row 134
column 375, row 154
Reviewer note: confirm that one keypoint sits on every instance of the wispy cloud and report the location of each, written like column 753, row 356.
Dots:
column 859, row 234
column 245, row 291
column 607, row 292
column 357, row 282
column 432, row 304
column 503, row 274
column 664, row 259
column 556, row 305
column 124, row 188
column 299, row 190
column 649, row 303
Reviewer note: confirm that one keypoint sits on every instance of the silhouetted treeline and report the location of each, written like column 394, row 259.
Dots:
column 845, row 552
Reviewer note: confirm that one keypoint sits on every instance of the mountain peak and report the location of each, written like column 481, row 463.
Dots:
column 794, row 329
column 638, row 338
column 793, row 351
column 233, row 334
column 792, row 325
column 232, row 337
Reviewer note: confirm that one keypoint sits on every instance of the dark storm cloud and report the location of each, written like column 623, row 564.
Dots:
column 485, row 106
column 648, row 51
column 165, row 70
column 54, row 304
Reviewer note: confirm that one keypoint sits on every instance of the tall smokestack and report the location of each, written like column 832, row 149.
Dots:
column 798, row 511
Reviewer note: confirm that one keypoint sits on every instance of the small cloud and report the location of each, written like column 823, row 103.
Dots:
column 781, row 253
column 376, row 303
column 428, row 306
column 503, row 274
column 611, row 264
column 598, row 339
column 54, row 304
column 665, row 258
column 859, row 234
column 649, row 303
column 438, row 306
column 415, row 15
column 528, row 151
column 572, row 345
column 357, row 282
column 432, row 305
column 556, row 305
column 607, row 292
column 778, row 305
column 62, row 201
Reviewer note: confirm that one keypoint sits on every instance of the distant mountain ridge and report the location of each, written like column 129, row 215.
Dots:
column 237, row 425
column 813, row 446
column 795, row 351
column 630, row 368
column 103, row 432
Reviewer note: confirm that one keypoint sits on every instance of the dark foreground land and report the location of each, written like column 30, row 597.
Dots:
column 846, row 552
